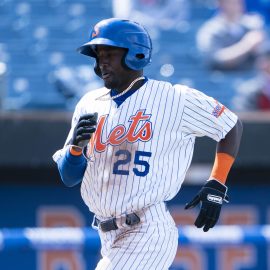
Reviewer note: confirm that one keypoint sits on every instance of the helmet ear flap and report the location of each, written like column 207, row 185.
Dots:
column 123, row 61
column 97, row 69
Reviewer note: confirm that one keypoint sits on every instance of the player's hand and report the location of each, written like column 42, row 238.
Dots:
column 84, row 129
column 211, row 196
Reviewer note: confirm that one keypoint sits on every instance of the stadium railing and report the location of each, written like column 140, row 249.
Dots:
column 68, row 238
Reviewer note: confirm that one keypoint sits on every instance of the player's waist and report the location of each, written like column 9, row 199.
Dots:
column 131, row 218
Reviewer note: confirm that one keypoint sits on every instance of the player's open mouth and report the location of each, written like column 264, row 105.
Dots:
column 105, row 76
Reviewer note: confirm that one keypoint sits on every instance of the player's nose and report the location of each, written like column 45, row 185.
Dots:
column 103, row 65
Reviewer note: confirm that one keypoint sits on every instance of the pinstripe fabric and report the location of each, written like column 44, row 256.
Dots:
column 177, row 115
column 144, row 166
column 152, row 244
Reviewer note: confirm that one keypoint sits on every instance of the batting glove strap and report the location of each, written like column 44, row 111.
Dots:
column 216, row 185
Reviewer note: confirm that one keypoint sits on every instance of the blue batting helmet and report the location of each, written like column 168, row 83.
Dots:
column 123, row 34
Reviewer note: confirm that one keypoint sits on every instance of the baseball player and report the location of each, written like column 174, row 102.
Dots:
column 131, row 144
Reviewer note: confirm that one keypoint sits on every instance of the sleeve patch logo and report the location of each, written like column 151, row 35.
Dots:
column 218, row 110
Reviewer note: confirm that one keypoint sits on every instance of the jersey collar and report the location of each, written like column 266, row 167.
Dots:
column 121, row 99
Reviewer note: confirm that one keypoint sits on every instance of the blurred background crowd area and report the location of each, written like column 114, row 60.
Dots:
column 220, row 47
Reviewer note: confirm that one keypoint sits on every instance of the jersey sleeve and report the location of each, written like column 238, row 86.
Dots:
column 75, row 118
column 205, row 116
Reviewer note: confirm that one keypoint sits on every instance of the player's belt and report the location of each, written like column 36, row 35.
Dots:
column 111, row 224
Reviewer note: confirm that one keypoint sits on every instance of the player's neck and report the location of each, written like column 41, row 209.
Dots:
column 134, row 83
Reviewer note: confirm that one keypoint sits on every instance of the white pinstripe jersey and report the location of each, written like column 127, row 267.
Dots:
column 143, row 148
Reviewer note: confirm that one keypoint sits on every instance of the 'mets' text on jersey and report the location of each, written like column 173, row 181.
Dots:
column 142, row 149
column 120, row 134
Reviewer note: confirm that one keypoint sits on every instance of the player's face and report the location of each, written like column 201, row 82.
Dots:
column 114, row 75
column 232, row 8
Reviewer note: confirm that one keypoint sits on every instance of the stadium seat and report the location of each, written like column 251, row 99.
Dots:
column 42, row 36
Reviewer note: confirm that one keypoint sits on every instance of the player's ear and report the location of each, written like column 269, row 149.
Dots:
column 97, row 69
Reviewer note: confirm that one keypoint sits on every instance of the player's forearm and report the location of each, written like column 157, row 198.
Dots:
column 227, row 150
column 71, row 168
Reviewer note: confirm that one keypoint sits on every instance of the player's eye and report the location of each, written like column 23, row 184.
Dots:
column 104, row 55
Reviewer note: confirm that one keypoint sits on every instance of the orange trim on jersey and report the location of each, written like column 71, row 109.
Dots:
column 222, row 165
column 218, row 110
column 75, row 151
column 222, row 110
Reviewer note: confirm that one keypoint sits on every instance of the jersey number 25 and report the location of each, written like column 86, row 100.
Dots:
column 137, row 161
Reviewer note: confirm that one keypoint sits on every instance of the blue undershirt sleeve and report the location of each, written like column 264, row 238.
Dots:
column 71, row 168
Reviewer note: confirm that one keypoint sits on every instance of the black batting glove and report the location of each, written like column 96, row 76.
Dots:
column 84, row 129
column 211, row 197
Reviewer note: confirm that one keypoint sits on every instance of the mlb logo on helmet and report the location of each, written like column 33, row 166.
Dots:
column 95, row 32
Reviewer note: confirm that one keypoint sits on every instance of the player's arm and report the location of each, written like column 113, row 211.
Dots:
column 214, row 192
column 71, row 168
column 226, row 152
column 73, row 164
